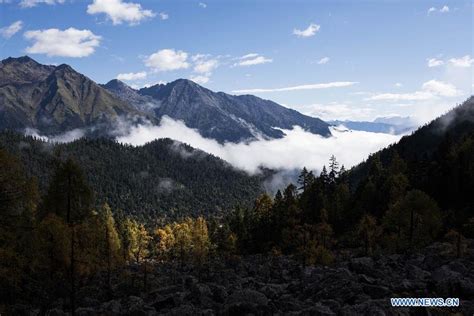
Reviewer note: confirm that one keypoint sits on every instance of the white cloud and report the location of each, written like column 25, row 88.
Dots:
column 429, row 90
column 465, row 61
column 150, row 84
column 164, row 15
column 252, row 59
column 200, row 79
column 297, row 149
column 167, row 60
column 440, row 88
column 444, row 9
column 202, row 5
column 132, row 76
column 68, row 43
column 398, row 85
column 415, row 96
column 337, row 84
column 323, row 60
column 12, row 29
column 204, row 66
column 308, row 32
column 119, row 11
column 66, row 137
column 33, row 3
column 434, row 62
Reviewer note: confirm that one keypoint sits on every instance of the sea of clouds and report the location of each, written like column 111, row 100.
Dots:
column 296, row 150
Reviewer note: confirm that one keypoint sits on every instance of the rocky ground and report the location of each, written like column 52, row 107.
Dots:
column 262, row 285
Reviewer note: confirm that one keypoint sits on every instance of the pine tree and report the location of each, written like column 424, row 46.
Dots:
column 70, row 198
column 18, row 200
column 368, row 231
column 415, row 220
column 333, row 169
column 109, row 243
column 324, row 231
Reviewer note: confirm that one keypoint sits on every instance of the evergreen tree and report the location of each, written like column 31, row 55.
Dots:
column 18, row 200
column 70, row 198
column 414, row 221
column 333, row 169
column 368, row 231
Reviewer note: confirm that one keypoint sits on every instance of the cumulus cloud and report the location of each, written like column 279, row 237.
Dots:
column 434, row 62
column 164, row 15
column 167, row 60
column 252, row 59
column 308, row 32
column 12, row 29
column 398, row 84
column 465, row 61
column 119, row 11
column 440, row 88
column 68, row 43
column 429, row 90
column 34, row 3
column 315, row 86
column 443, row 9
column 202, row 5
column 297, row 149
column 132, row 76
column 205, row 66
column 323, row 60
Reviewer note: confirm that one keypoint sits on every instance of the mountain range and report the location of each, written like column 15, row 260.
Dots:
column 57, row 99
column 388, row 125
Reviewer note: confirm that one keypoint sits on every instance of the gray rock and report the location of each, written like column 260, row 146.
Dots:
column 112, row 306
column 246, row 302
column 364, row 265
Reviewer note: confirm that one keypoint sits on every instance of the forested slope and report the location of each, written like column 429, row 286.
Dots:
column 162, row 178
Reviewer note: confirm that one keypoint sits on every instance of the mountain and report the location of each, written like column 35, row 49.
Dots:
column 58, row 99
column 55, row 99
column 438, row 159
column 224, row 117
column 388, row 125
column 126, row 93
column 396, row 120
column 163, row 178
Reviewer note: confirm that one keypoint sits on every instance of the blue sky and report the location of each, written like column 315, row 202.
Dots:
column 332, row 59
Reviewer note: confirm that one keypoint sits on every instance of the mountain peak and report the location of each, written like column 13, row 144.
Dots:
column 116, row 84
column 21, row 60
column 22, row 70
column 183, row 82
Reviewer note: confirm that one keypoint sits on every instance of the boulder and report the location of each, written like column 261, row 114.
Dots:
column 112, row 307
column 246, row 302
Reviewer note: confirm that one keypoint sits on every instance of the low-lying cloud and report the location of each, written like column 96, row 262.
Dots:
column 296, row 150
